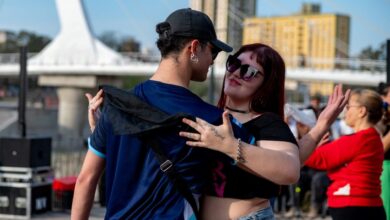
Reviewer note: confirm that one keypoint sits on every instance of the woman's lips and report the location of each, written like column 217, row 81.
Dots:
column 234, row 82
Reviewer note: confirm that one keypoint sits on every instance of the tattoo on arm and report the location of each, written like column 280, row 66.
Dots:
column 217, row 134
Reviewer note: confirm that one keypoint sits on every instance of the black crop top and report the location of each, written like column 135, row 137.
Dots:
column 232, row 182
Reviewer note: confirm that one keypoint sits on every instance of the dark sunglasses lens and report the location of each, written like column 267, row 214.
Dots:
column 232, row 64
column 244, row 73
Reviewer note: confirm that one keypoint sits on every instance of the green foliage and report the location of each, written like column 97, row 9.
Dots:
column 374, row 53
column 35, row 42
column 125, row 44
column 130, row 81
column 200, row 89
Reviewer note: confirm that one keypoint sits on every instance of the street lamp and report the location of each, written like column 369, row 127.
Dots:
column 22, row 43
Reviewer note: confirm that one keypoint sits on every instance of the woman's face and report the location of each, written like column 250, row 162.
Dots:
column 243, row 88
column 353, row 111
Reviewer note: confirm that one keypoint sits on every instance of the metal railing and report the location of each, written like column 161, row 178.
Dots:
column 352, row 63
column 129, row 57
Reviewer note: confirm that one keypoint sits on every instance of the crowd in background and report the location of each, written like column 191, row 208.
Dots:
column 308, row 197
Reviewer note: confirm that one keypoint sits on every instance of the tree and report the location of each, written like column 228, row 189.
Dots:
column 374, row 54
column 110, row 39
column 370, row 53
column 129, row 44
column 35, row 42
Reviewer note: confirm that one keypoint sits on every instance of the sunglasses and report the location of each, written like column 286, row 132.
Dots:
column 247, row 72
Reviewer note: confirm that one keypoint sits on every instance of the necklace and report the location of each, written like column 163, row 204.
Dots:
column 236, row 110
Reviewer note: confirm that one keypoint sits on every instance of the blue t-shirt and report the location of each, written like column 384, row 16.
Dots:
column 136, row 188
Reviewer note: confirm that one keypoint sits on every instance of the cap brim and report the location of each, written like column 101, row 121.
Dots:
column 221, row 45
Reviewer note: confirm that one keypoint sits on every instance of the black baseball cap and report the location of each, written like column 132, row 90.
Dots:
column 191, row 23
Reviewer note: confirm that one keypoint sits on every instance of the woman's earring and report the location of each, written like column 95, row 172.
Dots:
column 194, row 58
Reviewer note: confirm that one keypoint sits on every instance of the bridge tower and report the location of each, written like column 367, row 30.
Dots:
column 75, row 46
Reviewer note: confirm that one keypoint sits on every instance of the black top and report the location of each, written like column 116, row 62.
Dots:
column 232, row 182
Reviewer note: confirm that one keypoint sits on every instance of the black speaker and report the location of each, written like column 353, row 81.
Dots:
column 25, row 152
column 21, row 200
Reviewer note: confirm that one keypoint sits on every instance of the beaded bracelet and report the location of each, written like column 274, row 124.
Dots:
column 239, row 158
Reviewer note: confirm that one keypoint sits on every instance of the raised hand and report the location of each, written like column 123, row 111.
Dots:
column 334, row 107
column 217, row 138
column 94, row 103
column 336, row 103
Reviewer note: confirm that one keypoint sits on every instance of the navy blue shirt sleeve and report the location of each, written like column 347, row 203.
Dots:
column 97, row 141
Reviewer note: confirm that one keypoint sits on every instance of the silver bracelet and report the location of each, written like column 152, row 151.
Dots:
column 239, row 158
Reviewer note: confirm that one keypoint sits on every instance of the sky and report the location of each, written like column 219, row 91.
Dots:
column 370, row 19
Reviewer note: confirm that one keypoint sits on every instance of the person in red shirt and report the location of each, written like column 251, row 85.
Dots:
column 354, row 162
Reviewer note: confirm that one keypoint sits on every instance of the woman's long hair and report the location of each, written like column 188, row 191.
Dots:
column 269, row 97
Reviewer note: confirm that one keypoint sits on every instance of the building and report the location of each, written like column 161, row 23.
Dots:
column 228, row 17
column 307, row 39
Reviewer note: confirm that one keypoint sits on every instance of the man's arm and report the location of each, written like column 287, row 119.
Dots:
column 86, row 185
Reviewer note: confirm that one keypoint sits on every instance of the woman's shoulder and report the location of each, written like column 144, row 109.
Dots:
column 266, row 119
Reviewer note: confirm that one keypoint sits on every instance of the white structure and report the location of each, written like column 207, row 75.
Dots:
column 69, row 56
column 75, row 44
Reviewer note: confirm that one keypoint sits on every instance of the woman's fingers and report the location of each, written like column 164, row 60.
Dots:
column 89, row 97
column 226, row 120
column 193, row 124
column 99, row 93
column 196, row 144
column 94, row 102
column 190, row 135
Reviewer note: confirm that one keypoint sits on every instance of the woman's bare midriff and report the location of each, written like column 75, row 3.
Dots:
column 228, row 208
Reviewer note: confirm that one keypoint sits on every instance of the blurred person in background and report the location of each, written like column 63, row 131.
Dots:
column 311, row 182
column 384, row 126
column 315, row 104
column 354, row 162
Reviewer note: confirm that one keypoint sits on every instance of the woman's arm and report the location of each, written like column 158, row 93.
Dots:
column 386, row 142
column 335, row 106
column 277, row 161
column 334, row 154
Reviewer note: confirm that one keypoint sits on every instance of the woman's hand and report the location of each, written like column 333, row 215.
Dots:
column 336, row 103
column 93, row 108
column 219, row 138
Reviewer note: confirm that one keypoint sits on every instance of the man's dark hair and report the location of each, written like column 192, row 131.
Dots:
column 168, row 44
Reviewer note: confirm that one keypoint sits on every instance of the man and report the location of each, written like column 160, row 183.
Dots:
column 136, row 187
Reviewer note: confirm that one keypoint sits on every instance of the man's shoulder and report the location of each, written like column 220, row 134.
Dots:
column 174, row 99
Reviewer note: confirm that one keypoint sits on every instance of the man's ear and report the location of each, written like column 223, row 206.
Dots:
column 194, row 46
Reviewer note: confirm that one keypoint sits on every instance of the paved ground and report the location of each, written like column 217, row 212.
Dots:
column 97, row 213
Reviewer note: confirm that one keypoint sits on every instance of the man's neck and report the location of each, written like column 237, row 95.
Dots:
column 171, row 72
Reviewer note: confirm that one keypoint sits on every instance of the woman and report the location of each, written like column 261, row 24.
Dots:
column 354, row 162
column 384, row 91
column 254, row 94
column 253, row 73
